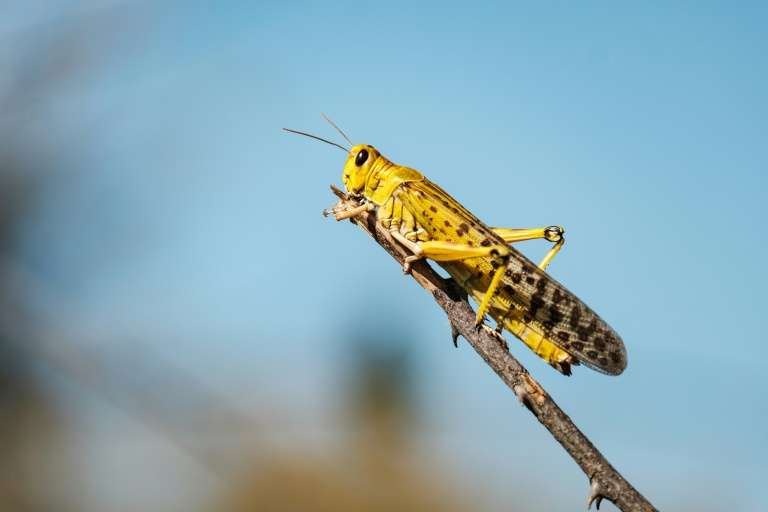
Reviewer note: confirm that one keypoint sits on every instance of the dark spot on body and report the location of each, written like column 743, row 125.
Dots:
column 495, row 264
column 508, row 289
column 600, row 344
column 592, row 353
column 563, row 335
column 433, row 209
column 555, row 314
column 615, row 357
column 516, row 277
column 530, row 280
column 603, row 361
column 486, row 243
column 447, row 224
column 578, row 345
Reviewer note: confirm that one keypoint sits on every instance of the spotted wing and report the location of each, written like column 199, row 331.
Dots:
column 561, row 317
column 539, row 303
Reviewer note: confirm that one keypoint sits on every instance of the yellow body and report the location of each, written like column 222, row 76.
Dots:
column 516, row 293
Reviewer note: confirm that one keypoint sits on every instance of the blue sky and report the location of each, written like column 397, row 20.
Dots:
column 641, row 129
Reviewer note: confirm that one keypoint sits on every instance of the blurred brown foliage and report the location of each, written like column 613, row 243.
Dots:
column 40, row 469
column 377, row 468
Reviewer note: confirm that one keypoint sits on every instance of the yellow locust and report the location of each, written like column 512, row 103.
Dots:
column 518, row 294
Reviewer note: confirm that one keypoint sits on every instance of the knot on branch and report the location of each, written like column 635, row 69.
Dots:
column 529, row 390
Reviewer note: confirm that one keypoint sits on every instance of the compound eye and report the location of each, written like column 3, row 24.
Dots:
column 361, row 157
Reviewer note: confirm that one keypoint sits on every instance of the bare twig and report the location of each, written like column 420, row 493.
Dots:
column 605, row 481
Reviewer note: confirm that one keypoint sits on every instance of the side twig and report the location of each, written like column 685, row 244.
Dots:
column 605, row 481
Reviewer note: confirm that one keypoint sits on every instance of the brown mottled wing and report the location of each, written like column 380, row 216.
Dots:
column 564, row 319
column 546, row 305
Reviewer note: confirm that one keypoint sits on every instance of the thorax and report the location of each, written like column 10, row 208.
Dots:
column 385, row 178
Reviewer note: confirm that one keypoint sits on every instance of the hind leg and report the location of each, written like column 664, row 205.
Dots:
column 552, row 234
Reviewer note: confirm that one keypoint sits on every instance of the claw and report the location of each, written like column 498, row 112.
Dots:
column 333, row 210
column 408, row 261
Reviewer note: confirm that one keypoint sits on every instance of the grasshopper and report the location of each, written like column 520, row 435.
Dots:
column 519, row 295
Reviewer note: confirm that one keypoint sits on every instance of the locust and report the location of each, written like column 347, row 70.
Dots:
column 517, row 294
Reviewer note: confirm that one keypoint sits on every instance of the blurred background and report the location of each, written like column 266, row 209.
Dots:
column 181, row 330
